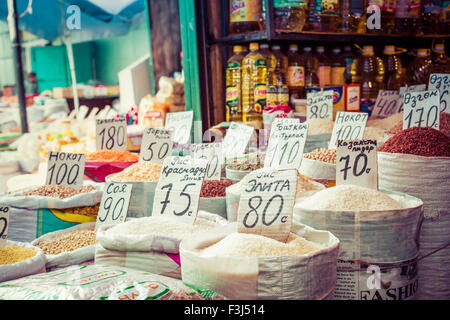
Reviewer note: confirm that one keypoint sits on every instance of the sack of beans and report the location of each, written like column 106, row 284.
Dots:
column 416, row 161
column 244, row 266
column 150, row 243
column 320, row 165
column 101, row 282
column 144, row 177
column 379, row 232
column 102, row 163
column 50, row 208
column 212, row 196
column 20, row 259
column 67, row 247
column 305, row 187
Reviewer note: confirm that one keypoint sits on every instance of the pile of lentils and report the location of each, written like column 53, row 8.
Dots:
column 421, row 141
column 60, row 192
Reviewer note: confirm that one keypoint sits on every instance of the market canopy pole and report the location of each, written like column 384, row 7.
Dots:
column 76, row 101
column 14, row 34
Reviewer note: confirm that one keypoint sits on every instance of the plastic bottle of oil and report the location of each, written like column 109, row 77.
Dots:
column 431, row 11
column 337, row 68
column 311, row 64
column 324, row 67
column 444, row 19
column 349, row 57
column 281, row 85
column 314, row 16
column 441, row 62
column 407, row 17
column 420, row 68
column 271, row 63
column 392, row 67
column 346, row 18
column 289, row 15
column 233, row 91
column 254, row 75
column 245, row 16
column 368, row 71
column 295, row 73
column 330, row 15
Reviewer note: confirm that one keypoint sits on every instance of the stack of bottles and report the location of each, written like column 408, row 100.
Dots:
column 268, row 77
column 350, row 16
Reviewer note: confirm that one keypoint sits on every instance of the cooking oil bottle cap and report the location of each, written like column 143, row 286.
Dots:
column 293, row 47
column 307, row 49
column 389, row 50
column 367, row 51
column 264, row 46
column 422, row 52
column 276, row 47
column 320, row 49
column 254, row 46
column 237, row 49
column 336, row 50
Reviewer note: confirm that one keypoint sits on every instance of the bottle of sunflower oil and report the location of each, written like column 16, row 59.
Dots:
column 295, row 73
column 254, row 75
column 271, row 63
column 233, row 99
column 290, row 15
column 393, row 68
column 278, row 91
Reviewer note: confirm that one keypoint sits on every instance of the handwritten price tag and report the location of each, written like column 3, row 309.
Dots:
column 114, row 205
column 236, row 140
column 441, row 82
column 157, row 144
column 178, row 189
column 267, row 202
column 111, row 134
column 319, row 105
column 212, row 153
column 348, row 126
column 403, row 90
column 357, row 163
column 181, row 124
column 386, row 103
column 66, row 169
column 421, row 109
column 286, row 144
column 4, row 224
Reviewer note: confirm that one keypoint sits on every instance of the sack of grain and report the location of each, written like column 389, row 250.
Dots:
column 316, row 141
column 149, row 244
column 212, row 196
column 100, row 282
column 68, row 247
column 427, row 178
column 377, row 229
column 50, row 208
column 305, row 188
column 319, row 171
column 243, row 266
column 20, row 259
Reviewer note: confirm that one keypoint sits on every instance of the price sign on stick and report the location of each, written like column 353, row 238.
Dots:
column 386, row 103
column 236, row 140
column 4, row 224
column 348, row 126
column 403, row 90
column 441, row 82
column 421, row 109
column 357, row 163
column 178, row 190
column 319, row 105
column 157, row 144
column 267, row 202
column 181, row 124
column 286, row 144
column 212, row 153
column 111, row 134
column 114, row 205
column 66, row 169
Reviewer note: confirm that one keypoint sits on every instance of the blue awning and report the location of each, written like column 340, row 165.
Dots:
column 97, row 19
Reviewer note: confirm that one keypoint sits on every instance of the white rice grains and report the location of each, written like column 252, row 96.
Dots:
column 350, row 198
column 251, row 245
column 161, row 226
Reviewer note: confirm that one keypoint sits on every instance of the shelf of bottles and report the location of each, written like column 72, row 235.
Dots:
column 345, row 34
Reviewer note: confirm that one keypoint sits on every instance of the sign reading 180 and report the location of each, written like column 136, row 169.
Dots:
column 111, row 134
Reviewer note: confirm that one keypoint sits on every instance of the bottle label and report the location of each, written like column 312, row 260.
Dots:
column 330, row 7
column 296, row 76
column 337, row 76
column 289, row 3
column 233, row 65
column 283, row 96
column 272, row 96
column 260, row 94
column 232, row 99
column 323, row 73
column 244, row 11
column 348, row 67
column 260, row 63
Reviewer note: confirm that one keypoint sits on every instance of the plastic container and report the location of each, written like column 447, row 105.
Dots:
column 233, row 83
column 289, row 15
column 245, row 16
column 295, row 73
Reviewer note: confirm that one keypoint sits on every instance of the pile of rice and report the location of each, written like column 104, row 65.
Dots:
column 140, row 171
column 320, row 126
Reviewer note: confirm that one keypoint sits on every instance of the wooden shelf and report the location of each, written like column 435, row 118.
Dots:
column 325, row 36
